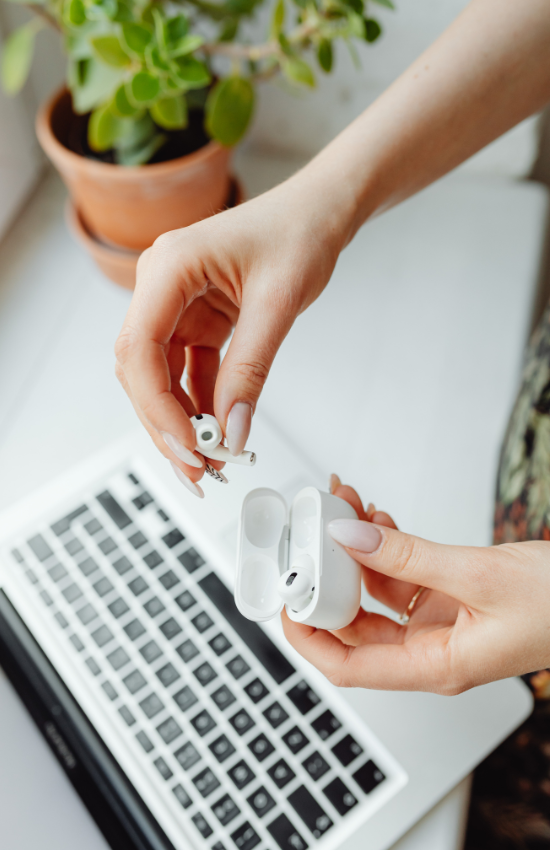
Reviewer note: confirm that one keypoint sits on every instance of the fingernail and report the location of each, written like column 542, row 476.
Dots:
column 191, row 486
column 371, row 510
column 215, row 473
column 239, row 422
column 355, row 534
column 180, row 451
column 333, row 483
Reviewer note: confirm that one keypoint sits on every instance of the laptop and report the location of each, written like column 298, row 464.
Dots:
column 180, row 723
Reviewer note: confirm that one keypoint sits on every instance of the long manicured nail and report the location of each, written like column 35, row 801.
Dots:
column 355, row 534
column 215, row 473
column 333, row 483
column 370, row 512
column 180, row 451
column 239, row 423
column 191, row 486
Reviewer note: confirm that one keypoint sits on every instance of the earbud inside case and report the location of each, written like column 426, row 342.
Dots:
column 271, row 540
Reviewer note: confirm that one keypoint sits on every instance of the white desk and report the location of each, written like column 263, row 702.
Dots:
column 430, row 308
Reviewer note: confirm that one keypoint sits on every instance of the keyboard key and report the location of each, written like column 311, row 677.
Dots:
column 102, row 636
column 203, row 723
column 261, row 801
column 151, row 705
column 205, row 673
column 109, row 690
column 187, row 756
column 40, row 547
column 151, row 651
column 134, row 629
column 225, row 809
column 145, row 742
column 118, row 658
column 202, row 622
column 222, row 748
column 154, row 606
column 107, row 545
column 169, row 730
column 206, row 782
column 87, row 566
column 186, row 600
column 346, row 750
column 242, row 721
column 223, row 697
column 122, row 565
column 303, row 697
column 134, row 681
column 368, row 777
column 103, row 587
column 286, row 836
column 45, row 596
column 168, row 674
column 261, row 747
column 170, row 628
column 169, row 579
column 153, row 559
column 256, row 690
column 72, row 592
column 316, row 766
column 18, row 556
column 72, row 545
column 341, row 797
column 281, row 773
column 202, row 825
column 173, row 538
column 93, row 666
column 295, row 740
column 138, row 585
column 112, row 507
column 93, row 526
column 163, row 515
column 118, row 607
column 137, row 540
column 185, row 698
column 86, row 614
column 237, row 667
column 326, row 725
column 63, row 525
column 163, row 768
column 77, row 643
column 187, row 651
column 32, row 577
column 133, row 478
column 246, row 837
column 305, row 804
column 127, row 715
column 219, row 644
column 275, row 714
column 182, row 796
column 241, row 774
column 191, row 560
column 63, row 623
column 142, row 500
column 57, row 572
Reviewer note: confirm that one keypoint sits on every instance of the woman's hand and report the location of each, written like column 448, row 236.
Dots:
column 484, row 615
column 257, row 266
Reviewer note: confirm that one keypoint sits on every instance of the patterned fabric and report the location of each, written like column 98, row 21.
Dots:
column 510, row 807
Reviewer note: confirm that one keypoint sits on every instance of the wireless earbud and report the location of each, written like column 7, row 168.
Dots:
column 297, row 585
column 209, row 437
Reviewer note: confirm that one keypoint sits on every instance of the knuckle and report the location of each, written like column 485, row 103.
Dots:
column 124, row 346
column 166, row 242
column 408, row 557
column 119, row 373
column 253, row 373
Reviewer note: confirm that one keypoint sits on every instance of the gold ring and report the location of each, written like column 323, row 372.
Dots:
column 406, row 615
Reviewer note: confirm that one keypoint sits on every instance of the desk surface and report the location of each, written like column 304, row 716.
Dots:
column 431, row 304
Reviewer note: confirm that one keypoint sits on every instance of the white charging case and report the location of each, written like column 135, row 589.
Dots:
column 269, row 542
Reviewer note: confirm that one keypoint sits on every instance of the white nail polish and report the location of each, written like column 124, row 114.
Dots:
column 180, row 451
column 215, row 473
column 191, row 486
column 334, row 483
column 239, row 423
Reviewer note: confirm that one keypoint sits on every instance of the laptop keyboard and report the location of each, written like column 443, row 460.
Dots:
column 225, row 728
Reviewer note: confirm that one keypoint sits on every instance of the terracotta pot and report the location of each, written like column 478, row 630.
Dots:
column 119, row 264
column 131, row 206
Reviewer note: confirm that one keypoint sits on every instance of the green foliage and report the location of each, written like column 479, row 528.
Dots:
column 139, row 66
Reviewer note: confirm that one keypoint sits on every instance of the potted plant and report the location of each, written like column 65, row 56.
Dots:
column 158, row 92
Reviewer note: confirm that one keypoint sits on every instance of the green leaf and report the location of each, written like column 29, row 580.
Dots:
column 103, row 129
column 74, row 13
column 357, row 5
column 191, row 72
column 95, row 85
column 135, row 132
column 170, row 113
column 160, row 30
column 387, row 3
column 298, row 71
column 109, row 50
column 372, row 30
column 285, row 44
column 325, row 55
column 17, row 57
column 186, row 45
column 356, row 27
column 176, row 28
column 136, row 37
column 121, row 106
column 229, row 29
column 277, row 19
column 155, row 60
column 229, row 108
column 141, row 154
column 144, row 87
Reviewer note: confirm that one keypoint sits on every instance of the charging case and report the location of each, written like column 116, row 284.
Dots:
column 270, row 541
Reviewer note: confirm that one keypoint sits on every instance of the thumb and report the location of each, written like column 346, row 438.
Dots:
column 264, row 321
column 459, row 571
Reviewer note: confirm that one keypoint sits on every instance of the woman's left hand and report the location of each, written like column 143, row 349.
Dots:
column 483, row 616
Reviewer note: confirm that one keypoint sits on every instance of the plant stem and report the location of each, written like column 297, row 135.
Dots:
column 41, row 12
column 256, row 52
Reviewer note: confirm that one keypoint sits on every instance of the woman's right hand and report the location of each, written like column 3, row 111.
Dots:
column 256, row 267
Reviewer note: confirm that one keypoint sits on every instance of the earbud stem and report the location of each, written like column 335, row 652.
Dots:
column 223, row 453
